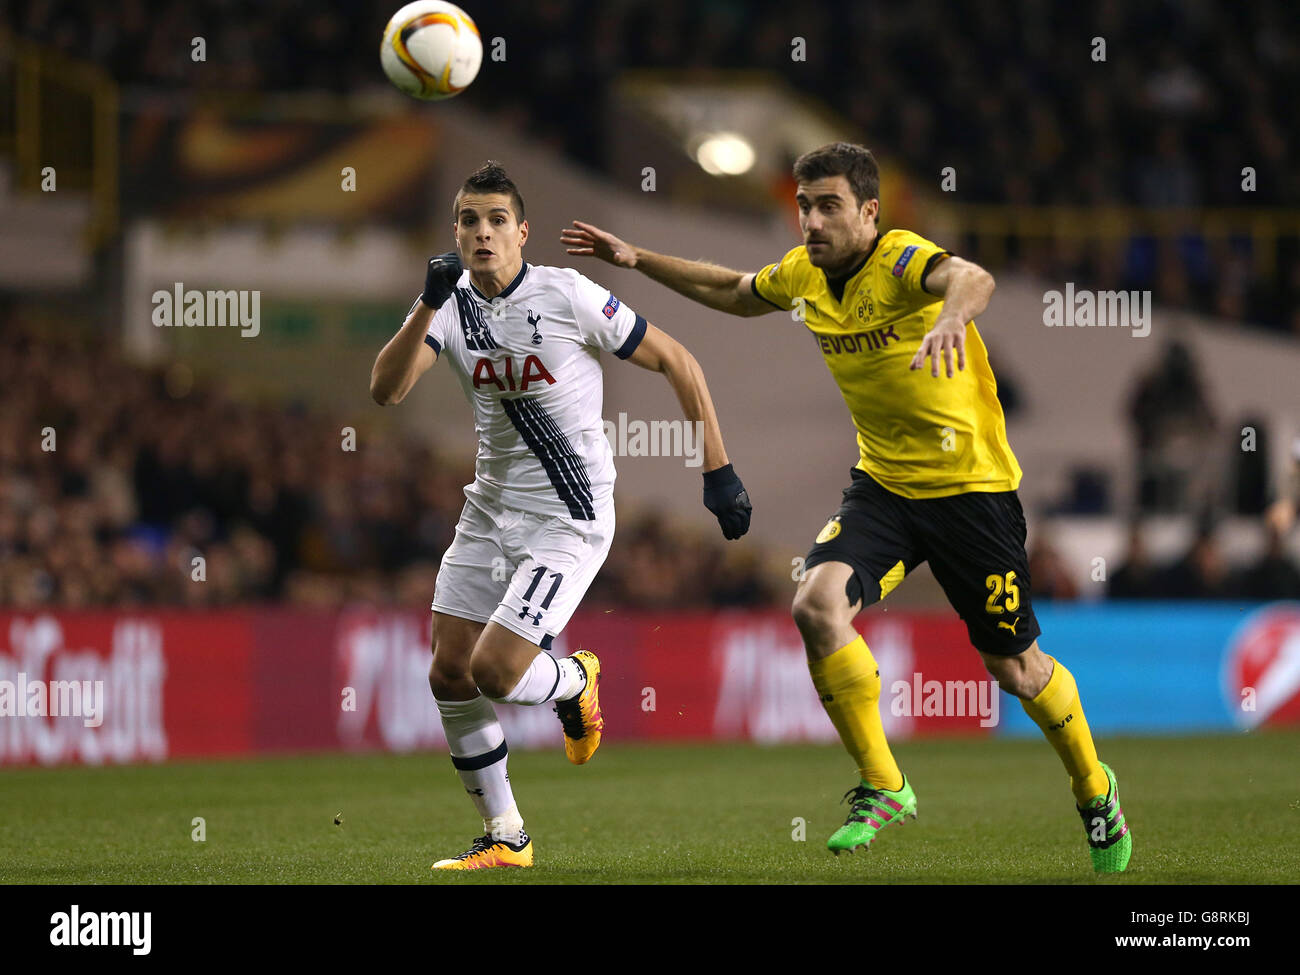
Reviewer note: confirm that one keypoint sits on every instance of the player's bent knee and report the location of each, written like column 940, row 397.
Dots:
column 453, row 644
column 448, row 678
column 818, row 612
column 1023, row 675
column 491, row 678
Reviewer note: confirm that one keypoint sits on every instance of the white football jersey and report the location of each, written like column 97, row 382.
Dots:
column 529, row 362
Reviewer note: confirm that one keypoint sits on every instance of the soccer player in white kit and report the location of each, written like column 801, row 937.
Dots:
column 525, row 342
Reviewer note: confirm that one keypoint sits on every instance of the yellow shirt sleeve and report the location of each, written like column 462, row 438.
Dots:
column 917, row 258
column 776, row 284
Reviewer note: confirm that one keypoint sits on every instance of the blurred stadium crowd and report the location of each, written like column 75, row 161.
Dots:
column 152, row 470
column 1189, row 94
column 149, row 470
column 1202, row 572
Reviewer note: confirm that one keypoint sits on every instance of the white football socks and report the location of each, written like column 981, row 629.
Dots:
column 478, row 744
column 509, row 826
column 548, row 679
column 478, row 750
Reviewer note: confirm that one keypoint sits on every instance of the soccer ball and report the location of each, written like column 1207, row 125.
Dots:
column 431, row 50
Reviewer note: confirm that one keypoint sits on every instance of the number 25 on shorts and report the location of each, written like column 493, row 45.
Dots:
column 997, row 585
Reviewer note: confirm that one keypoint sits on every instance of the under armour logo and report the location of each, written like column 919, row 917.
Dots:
column 477, row 333
column 536, row 617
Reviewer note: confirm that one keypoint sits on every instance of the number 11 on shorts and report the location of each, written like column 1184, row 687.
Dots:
column 538, row 573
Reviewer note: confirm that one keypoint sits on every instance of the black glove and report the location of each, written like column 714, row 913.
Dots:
column 725, row 496
column 440, row 280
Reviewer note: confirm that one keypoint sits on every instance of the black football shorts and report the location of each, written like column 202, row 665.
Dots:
column 974, row 542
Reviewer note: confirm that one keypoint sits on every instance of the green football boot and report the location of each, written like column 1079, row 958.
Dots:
column 1110, row 843
column 871, row 810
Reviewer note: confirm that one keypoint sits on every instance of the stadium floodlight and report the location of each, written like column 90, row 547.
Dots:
column 725, row 154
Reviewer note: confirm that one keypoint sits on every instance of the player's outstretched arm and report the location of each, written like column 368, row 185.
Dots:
column 966, row 289
column 407, row 356
column 404, row 359
column 724, row 494
column 711, row 285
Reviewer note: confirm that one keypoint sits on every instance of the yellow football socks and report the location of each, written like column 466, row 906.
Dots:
column 1057, row 711
column 848, row 682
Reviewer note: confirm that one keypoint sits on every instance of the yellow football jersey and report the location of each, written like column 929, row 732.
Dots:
column 919, row 436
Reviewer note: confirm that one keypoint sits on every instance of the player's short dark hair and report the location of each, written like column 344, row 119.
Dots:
column 854, row 163
column 491, row 178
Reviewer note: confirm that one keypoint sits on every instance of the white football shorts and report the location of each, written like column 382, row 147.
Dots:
column 528, row 572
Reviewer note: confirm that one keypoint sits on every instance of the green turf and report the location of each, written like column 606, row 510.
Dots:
column 1223, row 809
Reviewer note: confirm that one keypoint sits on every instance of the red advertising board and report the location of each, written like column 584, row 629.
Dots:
column 146, row 685
column 124, row 687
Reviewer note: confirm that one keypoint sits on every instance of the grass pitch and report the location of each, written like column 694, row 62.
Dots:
column 1202, row 810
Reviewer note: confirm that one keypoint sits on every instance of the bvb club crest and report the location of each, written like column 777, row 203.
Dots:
column 866, row 308
column 830, row 531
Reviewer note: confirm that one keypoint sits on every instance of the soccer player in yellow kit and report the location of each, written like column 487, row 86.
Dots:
column 936, row 479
